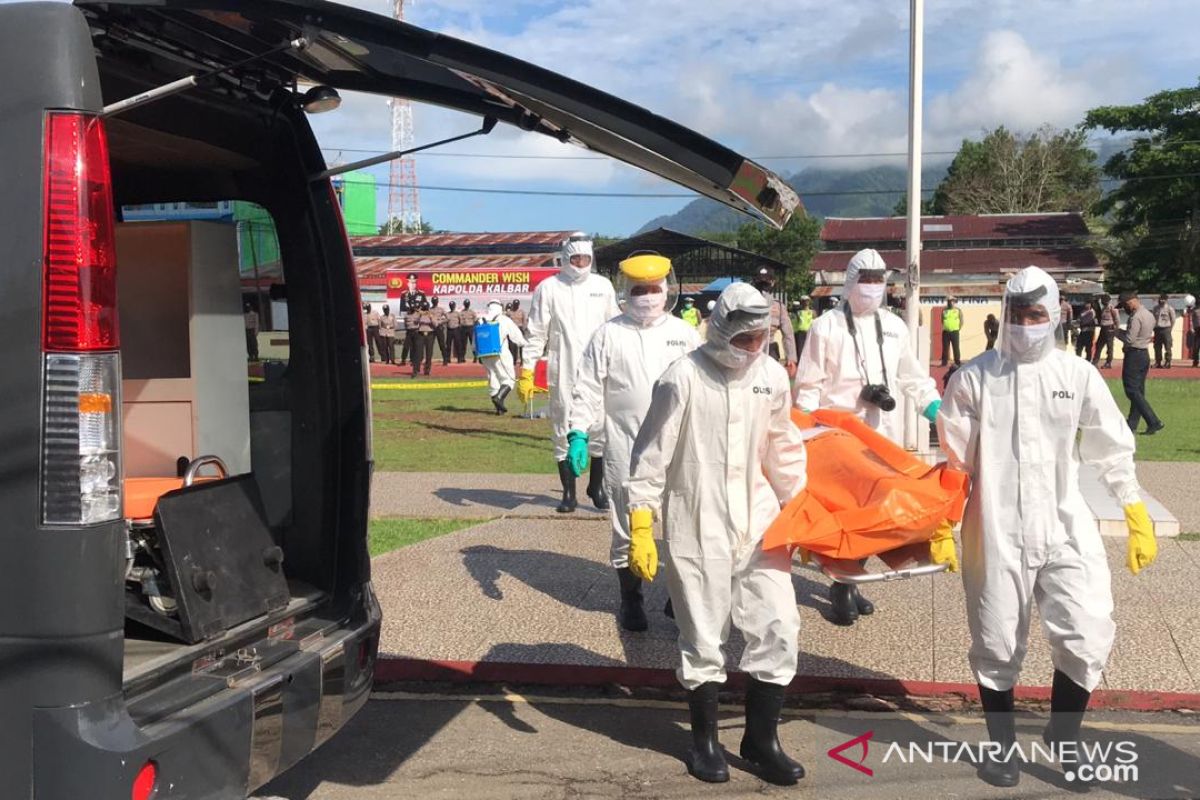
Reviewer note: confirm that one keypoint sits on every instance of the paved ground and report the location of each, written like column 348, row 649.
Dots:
column 539, row 591
column 471, row 495
column 480, row 496
column 1177, row 486
column 586, row 747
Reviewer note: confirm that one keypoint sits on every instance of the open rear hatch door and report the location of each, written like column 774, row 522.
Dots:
column 356, row 50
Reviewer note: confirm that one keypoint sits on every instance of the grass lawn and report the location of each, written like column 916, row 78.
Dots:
column 456, row 430
column 391, row 533
column 1177, row 402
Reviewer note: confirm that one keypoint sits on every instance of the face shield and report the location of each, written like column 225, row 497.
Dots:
column 576, row 257
column 866, row 282
column 646, row 287
column 738, row 328
column 1029, row 316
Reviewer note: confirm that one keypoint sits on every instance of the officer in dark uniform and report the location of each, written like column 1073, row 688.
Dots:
column 410, row 303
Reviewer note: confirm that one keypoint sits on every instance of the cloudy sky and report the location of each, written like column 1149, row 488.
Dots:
column 769, row 78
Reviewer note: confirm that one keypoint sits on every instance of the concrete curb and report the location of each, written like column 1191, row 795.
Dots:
column 397, row 670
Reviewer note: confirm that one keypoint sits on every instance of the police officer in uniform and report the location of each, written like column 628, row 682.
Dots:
column 410, row 303
column 1109, row 320
column 522, row 321
column 453, row 334
column 374, row 346
column 420, row 330
column 439, row 328
column 467, row 319
column 387, row 336
column 951, row 325
column 781, row 325
column 802, row 320
column 690, row 314
column 1164, row 325
column 1087, row 331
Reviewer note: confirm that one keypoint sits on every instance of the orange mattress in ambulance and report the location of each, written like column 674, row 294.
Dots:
column 866, row 495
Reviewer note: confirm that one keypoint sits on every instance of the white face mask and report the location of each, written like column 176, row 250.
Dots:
column 1025, row 339
column 574, row 273
column 645, row 308
column 867, row 297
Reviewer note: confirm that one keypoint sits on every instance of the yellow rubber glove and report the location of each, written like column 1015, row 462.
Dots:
column 525, row 387
column 941, row 546
column 643, row 553
column 1143, row 548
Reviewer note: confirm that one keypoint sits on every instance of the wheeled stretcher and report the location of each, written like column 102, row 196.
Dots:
column 866, row 496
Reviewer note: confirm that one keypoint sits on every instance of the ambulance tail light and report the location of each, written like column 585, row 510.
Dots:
column 81, row 370
column 364, row 353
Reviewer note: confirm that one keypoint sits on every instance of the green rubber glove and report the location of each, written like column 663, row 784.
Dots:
column 931, row 411
column 577, row 452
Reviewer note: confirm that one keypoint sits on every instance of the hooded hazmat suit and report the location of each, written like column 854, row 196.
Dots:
column 565, row 311
column 832, row 371
column 622, row 361
column 715, row 458
column 1011, row 418
column 500, row 370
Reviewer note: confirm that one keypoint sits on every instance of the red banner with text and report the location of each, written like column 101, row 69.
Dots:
column 479, row 286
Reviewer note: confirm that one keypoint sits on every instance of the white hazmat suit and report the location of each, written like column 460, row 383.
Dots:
column 500, row 370
column 614, row 382
column 1019, row 420
column 832, row 371
column 565, row 311
column 716, row 457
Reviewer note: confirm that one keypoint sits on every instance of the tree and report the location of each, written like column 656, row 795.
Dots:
column 1154, row 236
column 794, row 245
column 1009, row 173
column 394, row 226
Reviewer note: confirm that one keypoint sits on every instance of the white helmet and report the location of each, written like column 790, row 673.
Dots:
column 1189, row 300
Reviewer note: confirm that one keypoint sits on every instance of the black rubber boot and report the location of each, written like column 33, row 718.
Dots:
column 1068, row 703
column 760, row 743
column 1002, row 729
column 595, row 488
column 669, row 609
column 631, row 616
column 844, row 610
column 705, row 759
column 567, row 478
column 865, row 607
column 496, row 402
column 500, row 395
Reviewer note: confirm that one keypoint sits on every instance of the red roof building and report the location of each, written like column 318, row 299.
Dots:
column 964, row 255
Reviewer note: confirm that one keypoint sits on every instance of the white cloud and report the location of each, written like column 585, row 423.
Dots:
column 803, row 76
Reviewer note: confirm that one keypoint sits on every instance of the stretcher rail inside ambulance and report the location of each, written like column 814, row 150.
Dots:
column 866, row 496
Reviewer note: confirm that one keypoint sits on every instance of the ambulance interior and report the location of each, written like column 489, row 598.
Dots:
column 229, row 506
